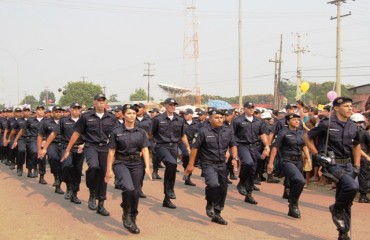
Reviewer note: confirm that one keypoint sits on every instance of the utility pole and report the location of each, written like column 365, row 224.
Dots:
column 276, row 97
column 240, row 25
column 279, row 73
column 149, row 75
column 338, row 57
column 299, row 50
column 83, row 78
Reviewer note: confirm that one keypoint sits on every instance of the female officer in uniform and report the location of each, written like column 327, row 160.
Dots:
column 127, row 143
column 290, row 143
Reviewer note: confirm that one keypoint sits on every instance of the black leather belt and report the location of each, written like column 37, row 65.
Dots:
column 255, row 144
column 292, row 158
column 166, row 144
column 96, row 144
column 212, row 162
column 128, row 157
column 342, row 160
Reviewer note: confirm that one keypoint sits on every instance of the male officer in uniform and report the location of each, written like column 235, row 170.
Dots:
column 343, row 150
column 9, row 135
column 190, row 127
column 95, row 126
column 72, row 166
column 211, row 144
column 247, row 130
column 167, row 130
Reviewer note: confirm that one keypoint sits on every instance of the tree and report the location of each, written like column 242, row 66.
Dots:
column 81, row 92
column 46, row 97
column 113, row 98
column 324, row 88
column 30, row 100
column 139, row 95
column 2, row 106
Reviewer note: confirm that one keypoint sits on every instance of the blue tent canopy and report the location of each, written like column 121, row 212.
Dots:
column 219, row 104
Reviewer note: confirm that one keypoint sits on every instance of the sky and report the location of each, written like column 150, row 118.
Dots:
column 108, row 42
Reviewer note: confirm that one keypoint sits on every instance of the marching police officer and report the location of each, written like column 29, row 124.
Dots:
column 247, row 130
column 127, row 145
column 210, row 145
column 95, row 125
column 9, row 135
column 343, row 148
column 290, row 143
column 167, row 130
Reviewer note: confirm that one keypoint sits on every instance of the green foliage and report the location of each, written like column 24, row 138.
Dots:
column 139, row 95
column 2, row 106
column 45, row 96
column 31, row 100
column 81, row 92
column 113, row 98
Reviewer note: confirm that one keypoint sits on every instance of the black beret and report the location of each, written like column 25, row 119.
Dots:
column 339, row 100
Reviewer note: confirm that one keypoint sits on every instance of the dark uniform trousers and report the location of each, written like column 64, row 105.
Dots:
column 363, row 176
column 72, row 168
column 346, row 190
column 293, row 171
column 13, row 153
column 54, row 152
column 248, row 155
column 31, row 153
column 215, row 176
column 185, row 154
column 128, row 176
column 21, row 152
column 2, row 148
column 168, row 154
column 96, row 159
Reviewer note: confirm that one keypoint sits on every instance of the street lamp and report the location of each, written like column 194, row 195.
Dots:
column 17, row 65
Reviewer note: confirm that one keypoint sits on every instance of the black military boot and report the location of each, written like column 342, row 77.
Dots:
column 363, row 198
column 293, row 209
column 218, row 219
column 168, row 204
column 338, row 218
column 271, row 179
column 210, row 210
column 68, row 194
column 56, row 180
column 232, row 175
column 101, row 210
column 42, row 180
column 20, row 171
column 189, row 182
column 35, row 173
column 129, row 222
column 249, row 199
column 134, row 229
column 29, row 174
column 92, row 200
column 155, row 174
column 286, row 193
column 75, row 199
column 343, row 236
column 58, row 190
column 241, row 189
column 12, row 166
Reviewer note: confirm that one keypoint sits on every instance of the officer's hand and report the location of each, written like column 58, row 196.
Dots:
column 189, row 169
column 43, row 144
column 266, row 152
column 65, row 156
column 14, row 145
column 236, row 166
column 356, row 171
column 270, row 167
column 5, row 142
column 227, row 155
column 108, row 175
column 148, row 172
column 80, row 148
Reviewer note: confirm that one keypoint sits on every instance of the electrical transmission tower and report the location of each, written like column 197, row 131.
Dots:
column 191, row 51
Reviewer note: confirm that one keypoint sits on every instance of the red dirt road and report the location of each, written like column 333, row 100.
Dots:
column 33, row 211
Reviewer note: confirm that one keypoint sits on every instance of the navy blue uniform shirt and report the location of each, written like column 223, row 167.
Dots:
column 31, row 129
column 128, row 141
column 65, row 129
column 165, row 130
column 48, row 126
column 191, row 129
column 289, row 142
column 342, row 136
column 212, row 143
column 247, row 132
column 145, row 123
column 95, row 130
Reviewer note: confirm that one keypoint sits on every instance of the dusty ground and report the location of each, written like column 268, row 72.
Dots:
column 33, row 211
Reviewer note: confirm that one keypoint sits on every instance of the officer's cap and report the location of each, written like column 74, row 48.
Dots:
column 266, row 115
column 201, row 112
column 26, row 108
column 257, row 111
column 75, row 105
column 290, row 116
column 99, row 96
column 170, row 101
column 40, row 106
column 229, row 112
column 57, row 108
column 134, row 107
column 154, row 110
column 216, row 111
column 118, row 109
column 140, row 105
column 339, row 100
column 17, row 109
column 188, row 111
column 248, row 105
column 290, row 105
